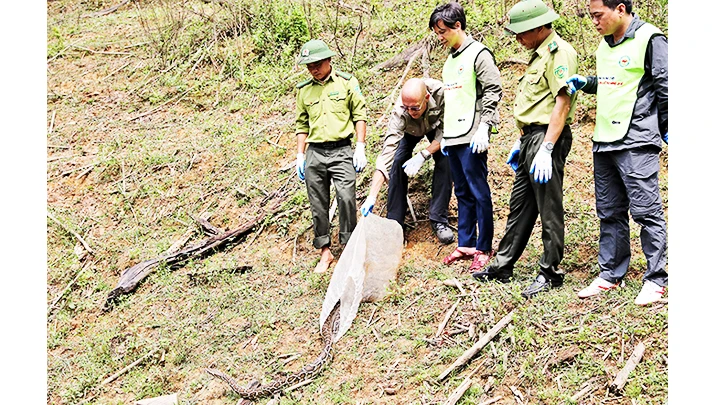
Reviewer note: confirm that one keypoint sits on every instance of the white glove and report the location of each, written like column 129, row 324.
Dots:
column 481, row 140
column 300, row 166
column 413, row 165
column 367, row 206
column 359, row 160
column 542, row 164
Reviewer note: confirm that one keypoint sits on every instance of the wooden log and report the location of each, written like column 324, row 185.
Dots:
column 460, row 390
column 447, row 318
column 130, row 278
column 484, row 340
column 589, row 386
column 622, row 377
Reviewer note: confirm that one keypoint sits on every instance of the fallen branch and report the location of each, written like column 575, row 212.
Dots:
column 447, row 318
column 622, row 377
column 471, row 352
column 453, row 282
column 176, row 100
column 66, row 289
column 204, row 277
column 206, row 226
column 589, row 386
column 429, row 42
column 460, row 391
column 109, row 10
column 73, row 233
column 131, row 277
column 82, row 48
column 52, row 122
column 115, row 71
column 126, row 369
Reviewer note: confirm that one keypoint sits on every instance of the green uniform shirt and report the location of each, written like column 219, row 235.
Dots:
column 327, row 111
column 552, row 63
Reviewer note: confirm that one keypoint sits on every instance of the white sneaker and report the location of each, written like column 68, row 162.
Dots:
column 596, row 287
column 649, row 293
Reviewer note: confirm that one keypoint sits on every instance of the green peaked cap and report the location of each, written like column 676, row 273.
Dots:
column 313, row 51
column 529, row 14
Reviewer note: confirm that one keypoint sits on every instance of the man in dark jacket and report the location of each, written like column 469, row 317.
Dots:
column 632, row 119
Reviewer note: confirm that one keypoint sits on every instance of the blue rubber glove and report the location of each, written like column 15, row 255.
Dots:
column 514, row 156
column 664, row 137
column 300, row 166
column 443, row 150
column 367, row 207
column 542, row 165
column 575, row 83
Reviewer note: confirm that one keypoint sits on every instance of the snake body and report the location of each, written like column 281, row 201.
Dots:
column 328, row 332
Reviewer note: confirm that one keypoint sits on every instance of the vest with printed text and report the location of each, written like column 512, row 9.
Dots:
column 619, row 71
column 460, row 94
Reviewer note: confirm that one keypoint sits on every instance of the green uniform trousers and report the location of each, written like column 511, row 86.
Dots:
column 321, row 165
column 528, row 199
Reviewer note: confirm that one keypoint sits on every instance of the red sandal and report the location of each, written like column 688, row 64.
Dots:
column 457, row 255
column 480, row 260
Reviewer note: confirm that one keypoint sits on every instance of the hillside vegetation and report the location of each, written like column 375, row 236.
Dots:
column 164, row 111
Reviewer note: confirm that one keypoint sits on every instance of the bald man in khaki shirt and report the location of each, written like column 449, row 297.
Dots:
column 418, row 113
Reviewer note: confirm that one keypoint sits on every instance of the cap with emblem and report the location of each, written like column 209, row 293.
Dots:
column 529, row 14
column 313, row 51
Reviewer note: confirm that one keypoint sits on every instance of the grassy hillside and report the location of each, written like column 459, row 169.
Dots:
column 163, row 111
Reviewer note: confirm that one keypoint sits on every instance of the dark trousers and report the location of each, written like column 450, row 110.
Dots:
column 398, row 183
column 527, row 200
column 627, row 180
column 475, row 215
column 321, row 165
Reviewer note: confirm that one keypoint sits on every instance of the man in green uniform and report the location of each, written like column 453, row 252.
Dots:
column 330, row 108
column 542, row 112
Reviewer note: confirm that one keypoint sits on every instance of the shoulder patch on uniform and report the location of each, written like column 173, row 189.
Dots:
column 561, row 71
column 303, row 83
column 346, row 76
column 552, row 47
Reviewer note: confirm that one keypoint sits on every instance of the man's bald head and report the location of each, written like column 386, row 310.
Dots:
column 413, row 95
column 414, row 90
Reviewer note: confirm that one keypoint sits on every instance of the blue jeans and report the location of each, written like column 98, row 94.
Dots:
column 475, row 214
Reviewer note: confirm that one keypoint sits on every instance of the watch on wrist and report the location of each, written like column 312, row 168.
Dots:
column 548, row 146
column 425, row 154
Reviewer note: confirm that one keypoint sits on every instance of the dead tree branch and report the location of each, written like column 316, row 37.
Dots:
column 73, row 233
column 132, row 276
column 622, row 377
column 109, row 10
column 429, row 42
column 471, row 352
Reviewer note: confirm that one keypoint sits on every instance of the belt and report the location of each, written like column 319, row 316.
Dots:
column 331, row 145
column 527, row 129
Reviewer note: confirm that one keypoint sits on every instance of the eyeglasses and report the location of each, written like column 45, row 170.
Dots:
column 413, row 108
